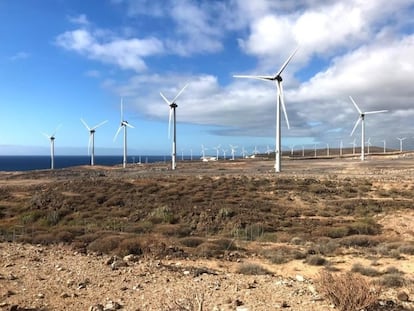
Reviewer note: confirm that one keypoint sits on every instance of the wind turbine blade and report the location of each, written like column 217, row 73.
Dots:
column 356, row 125
column 129, row 125
column 255, row 77
column 356, row 106
column 378, row 111
column 117, row 132
column 57, row 128
column 286, row 62
column 169, row 123
column 86, row 125
column 46, row 135
column 179, row 93
column 100, row 124
column 165, row 99
column 282, row 101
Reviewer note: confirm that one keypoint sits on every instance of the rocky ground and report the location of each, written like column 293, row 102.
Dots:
column 61, row 277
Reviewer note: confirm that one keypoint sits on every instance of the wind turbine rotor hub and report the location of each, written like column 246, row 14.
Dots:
column 173, row 105
column 279, row 78
column 92, row 131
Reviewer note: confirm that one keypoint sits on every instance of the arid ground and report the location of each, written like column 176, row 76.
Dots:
column 222, row 235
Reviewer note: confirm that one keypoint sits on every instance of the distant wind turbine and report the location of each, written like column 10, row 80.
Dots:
column 52, row 147
column 124, row 124
column 217, row 151
column 353, row 146
column 233, row 150
column 314, row 150
column 384, row 141
column 91, row 144
column 369, row 143
column 361, row 119
column 327, row 149
column 279, row 102
column 341, row 145
column 173, row 106
column 401, row 142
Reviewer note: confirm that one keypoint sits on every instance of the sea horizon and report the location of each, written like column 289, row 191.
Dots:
column 11, row 163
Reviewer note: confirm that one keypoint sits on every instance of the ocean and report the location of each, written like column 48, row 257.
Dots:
column 28, row 163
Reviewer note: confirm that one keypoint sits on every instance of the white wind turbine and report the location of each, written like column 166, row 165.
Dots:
column 327, row 149
column 361, row 119
column 233, row 150
column 173, row 106
column 353, row 146
column 384, row 141
column 314, row 150
column 401, row 142
column 52, row 147
column 279, row 102
column 124, row 124
column 224, row 154
column 217, row 151
column 369, row 143
column 91, row 144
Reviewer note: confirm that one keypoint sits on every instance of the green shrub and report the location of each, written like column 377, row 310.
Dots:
column 105, row 244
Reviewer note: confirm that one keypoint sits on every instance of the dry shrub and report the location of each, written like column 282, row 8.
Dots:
column 252, row 269
column 348, row 291
column 106, row 244
column 367, row 271
column 191, row 241
column 130, row 246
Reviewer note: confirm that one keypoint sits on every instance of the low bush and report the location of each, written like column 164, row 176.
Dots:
column 252, row 269
column 191, row 241
column 315, row 260
column 105, row 244
column 367, row 271
column 348, row 291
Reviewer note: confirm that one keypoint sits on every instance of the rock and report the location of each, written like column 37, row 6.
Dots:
column 118, row 264
column 403, row 296
column 97, row 307
column 242, row 308
column 112, row 305
column 299, row 278
column 40, row 295
column 131, row 258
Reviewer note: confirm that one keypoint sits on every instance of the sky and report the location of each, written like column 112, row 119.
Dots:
column 62, row 60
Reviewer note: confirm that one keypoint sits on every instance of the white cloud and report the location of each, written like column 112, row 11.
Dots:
column 81, row 20
column 125, row 53
column 19, row 56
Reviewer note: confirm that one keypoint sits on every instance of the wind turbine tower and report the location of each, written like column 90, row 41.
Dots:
column 91, row 144
column 401, row 142
column 353, row 146
column 173, row 106
column 52, row 147
column 279, row 103
column 124, row 124
column 384, row 141
column 362, row 120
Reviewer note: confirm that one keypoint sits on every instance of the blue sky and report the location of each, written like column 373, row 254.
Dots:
column 62, row 60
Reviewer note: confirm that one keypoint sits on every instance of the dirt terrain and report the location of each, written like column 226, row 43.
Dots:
column 225, row 235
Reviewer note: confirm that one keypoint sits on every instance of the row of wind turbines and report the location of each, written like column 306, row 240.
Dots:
column 280, row 105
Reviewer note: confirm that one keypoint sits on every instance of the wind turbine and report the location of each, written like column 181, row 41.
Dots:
column 353, row 146
column 203, row 152
column 314, row 150
column 233, row 150
column 369, row 143
column 361, row 119
column 224, row 154
column 401, row 144
column 327, row 149
column 341, row 145
column 52, row 147
column 279, row 102
column 173, row 106
column 124, row 124
column 91, row 144
column 217, row 151
column 384, row 141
